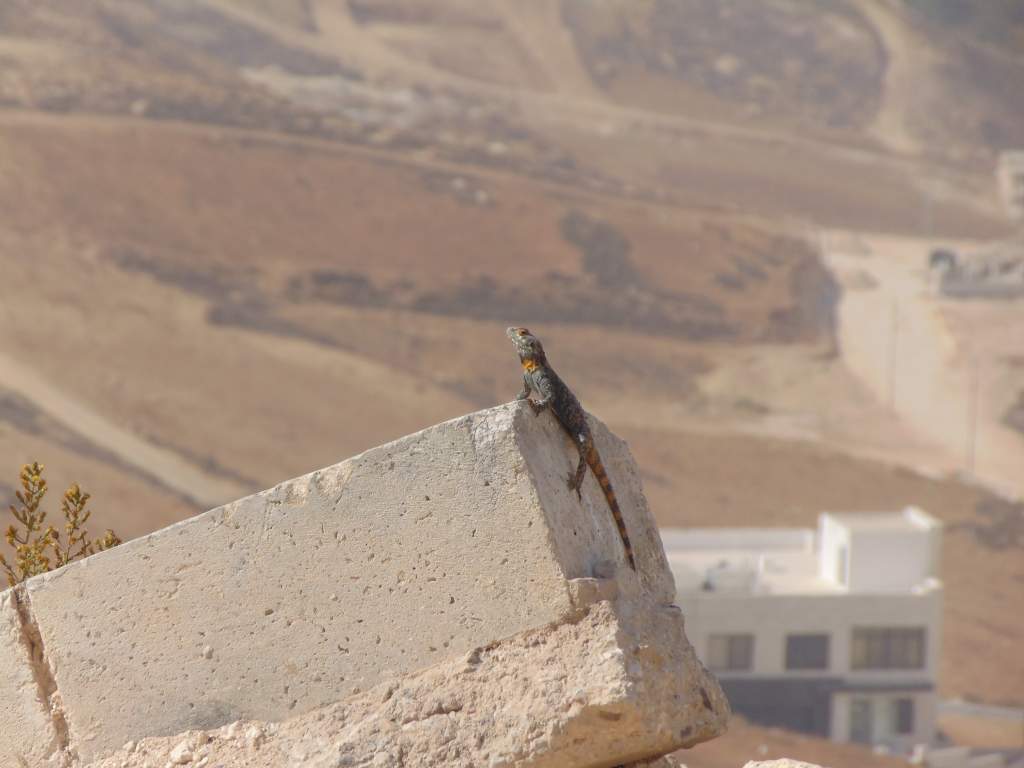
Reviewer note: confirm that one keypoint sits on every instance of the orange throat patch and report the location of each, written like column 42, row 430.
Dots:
column 530, row 365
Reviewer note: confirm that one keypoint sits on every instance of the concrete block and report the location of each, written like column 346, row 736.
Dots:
column 612, row 684
column 27, row 734
column 392, row 561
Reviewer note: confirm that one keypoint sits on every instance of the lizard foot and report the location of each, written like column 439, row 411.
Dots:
column 535, row 408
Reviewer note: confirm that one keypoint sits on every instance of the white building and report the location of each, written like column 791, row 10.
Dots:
column 833, row 632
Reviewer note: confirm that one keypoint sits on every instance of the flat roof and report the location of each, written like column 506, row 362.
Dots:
column 908, row 519
column 761, row 539
column 784, row 561
column 782, row 573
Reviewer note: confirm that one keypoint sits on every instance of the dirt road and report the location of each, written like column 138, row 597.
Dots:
column 171, row 469
column 942, row 375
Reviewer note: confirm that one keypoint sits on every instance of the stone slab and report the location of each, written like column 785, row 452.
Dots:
column 27, row 735
column 392, row 561
column 613, row 684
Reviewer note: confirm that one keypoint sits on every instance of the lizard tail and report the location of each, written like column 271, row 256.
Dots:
column 597, row 467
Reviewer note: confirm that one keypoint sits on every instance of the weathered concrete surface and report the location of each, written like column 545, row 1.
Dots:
column 27, row 734
column 615, row 683
column 409, row 554
column 784, row 762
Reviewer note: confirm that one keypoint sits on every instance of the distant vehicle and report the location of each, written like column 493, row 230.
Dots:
column 942, row 257
column 995, row 271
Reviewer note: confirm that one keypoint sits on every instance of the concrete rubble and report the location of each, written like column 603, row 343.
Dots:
column 26, row 728
column 440, row 600
column 611, row 685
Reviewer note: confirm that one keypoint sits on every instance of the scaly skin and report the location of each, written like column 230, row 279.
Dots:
column 540, row 377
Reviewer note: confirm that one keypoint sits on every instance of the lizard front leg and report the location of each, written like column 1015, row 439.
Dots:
column 542, row 385
column 527, row 386
column 536, row 405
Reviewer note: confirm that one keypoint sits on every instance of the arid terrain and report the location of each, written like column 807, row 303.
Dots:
column 745, row 742
column 242, row 239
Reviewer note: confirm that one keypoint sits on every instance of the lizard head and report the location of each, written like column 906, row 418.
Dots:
column 526, row 344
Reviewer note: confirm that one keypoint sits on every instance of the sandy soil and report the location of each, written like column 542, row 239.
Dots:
column 159, row 407
column 122, row 500
column 753, row 164
column 903, row 55
column 940, row 370
column 169, row 468
column 539, row 28
column 984, row 732
column 744, row 742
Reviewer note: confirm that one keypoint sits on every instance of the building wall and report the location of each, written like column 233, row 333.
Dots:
column 879, row 559
column 888, row 561
column 821, row 706
column 797, row 705
column 924, row 716
column 770, row 618
column 833, row 538
column 935, row 533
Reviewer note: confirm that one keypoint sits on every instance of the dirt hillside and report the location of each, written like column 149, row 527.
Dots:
column 243, row 239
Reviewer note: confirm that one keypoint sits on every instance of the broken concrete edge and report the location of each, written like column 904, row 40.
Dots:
column 606, row 686
column 663, row 628
column 585, row 594
column 25, row 717
column 541, row 449
column 42, row 673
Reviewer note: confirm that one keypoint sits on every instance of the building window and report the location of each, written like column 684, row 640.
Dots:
column 902, row 716
column 807, row 652
column 887, row 648
column 730, row 652
column 861, row 721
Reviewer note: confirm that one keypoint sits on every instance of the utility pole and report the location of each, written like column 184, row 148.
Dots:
column 928, row 214
column 894, row 333
column 972, row 413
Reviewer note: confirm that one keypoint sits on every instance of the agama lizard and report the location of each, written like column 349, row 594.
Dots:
column 540, row 377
